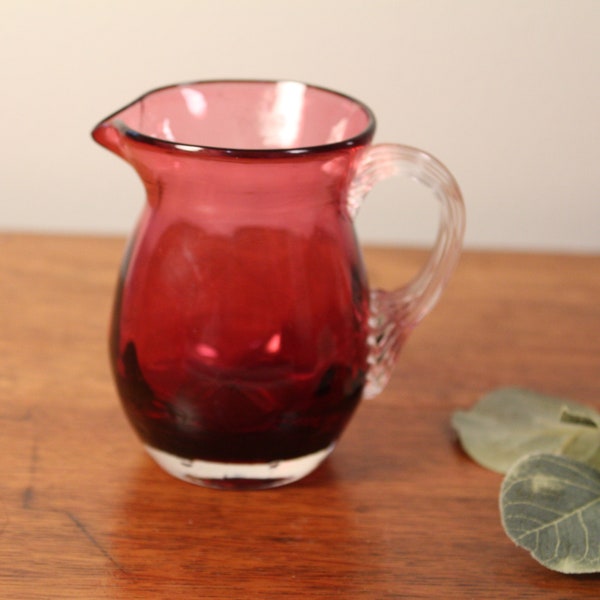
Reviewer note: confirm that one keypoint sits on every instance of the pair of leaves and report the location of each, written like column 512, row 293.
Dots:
column 550, row 451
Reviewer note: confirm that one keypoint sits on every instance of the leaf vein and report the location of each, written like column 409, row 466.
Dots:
column 566, row 516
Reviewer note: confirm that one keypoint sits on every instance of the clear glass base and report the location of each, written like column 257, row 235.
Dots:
column 239, row 476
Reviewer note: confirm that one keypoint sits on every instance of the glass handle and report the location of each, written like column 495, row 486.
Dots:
column 394, row 314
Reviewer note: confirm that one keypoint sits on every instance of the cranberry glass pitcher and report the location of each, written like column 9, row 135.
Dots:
column 244, row 333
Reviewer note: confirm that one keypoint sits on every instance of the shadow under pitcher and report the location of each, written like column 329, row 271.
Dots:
column 244, row 333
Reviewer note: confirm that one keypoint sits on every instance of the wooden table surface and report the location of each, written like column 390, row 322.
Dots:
column 398, row 511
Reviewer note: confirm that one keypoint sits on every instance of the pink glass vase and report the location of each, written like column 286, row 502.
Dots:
column 244, row 333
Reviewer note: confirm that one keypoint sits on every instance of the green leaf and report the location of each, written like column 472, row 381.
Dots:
column 550, row 505
column 510, row 423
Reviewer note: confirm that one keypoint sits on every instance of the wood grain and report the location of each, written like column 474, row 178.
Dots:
column 398, row 511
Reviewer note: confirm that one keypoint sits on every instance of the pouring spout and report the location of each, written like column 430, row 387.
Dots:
column 109, row 135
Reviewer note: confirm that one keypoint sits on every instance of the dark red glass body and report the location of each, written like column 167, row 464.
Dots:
column 239, row 342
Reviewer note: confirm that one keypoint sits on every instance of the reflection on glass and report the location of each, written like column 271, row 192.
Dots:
column 281, row 125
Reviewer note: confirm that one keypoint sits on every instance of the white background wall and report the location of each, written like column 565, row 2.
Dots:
column 505, row 92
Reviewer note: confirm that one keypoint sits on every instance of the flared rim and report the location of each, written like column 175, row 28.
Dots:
column 363, row 137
